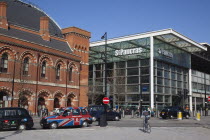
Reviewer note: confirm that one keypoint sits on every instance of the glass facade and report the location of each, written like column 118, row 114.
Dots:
column 128, row 72
column 171, row 54
column 169, row 79
column 200, row 81
column 125, row 79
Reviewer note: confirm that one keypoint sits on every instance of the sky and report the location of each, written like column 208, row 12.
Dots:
column 126, row 17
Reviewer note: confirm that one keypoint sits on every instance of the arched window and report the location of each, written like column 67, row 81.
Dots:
column 70, row 73
column 4, row 63
column 43, row 72
column 58, row 69
column 25, row 66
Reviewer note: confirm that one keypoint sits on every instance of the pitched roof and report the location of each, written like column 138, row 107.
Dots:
column 28, row 16
column 37, row 39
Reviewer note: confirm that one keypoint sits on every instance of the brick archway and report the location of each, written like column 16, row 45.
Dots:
column 6, row 49
column 4, row 94
column 25, row 99
column 58, row 100
column 71, row 100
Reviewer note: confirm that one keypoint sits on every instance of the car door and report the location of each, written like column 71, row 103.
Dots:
column 76, row 116
column 65, row 119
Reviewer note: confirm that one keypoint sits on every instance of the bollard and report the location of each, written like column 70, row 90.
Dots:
column 198, row 116
column 179, row 115
column 158, row 112
column 123, row 113
column 132, row 114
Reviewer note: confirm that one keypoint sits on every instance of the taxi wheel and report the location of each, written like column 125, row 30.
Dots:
column 85, row 124
column 187, row 116
column 117, row 118
column 22, row 127
column 171, row 117
column 53, row 125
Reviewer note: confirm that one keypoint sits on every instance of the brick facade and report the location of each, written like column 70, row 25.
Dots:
column 32, row 89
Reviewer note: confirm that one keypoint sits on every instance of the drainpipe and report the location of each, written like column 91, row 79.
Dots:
column 67, row 82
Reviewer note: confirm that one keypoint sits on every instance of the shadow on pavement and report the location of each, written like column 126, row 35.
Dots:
column 14, row 133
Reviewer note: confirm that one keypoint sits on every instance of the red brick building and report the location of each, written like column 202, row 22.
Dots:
column 40, row 64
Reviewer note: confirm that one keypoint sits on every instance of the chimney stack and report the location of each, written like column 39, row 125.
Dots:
column 44, row 28
column 3, row 15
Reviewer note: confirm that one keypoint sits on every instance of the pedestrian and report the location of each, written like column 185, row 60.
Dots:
column 46, row 111
column 43, row 111
column 149, row 111
column 39, row 110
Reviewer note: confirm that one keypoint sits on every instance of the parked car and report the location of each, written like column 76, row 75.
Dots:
column 172, row 111
column 97, row 110
column 72, row 116
column 15, row 118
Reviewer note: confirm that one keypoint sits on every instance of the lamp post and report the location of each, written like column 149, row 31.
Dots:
column 37, row 80
column 103, row 121
column 13, row 79
column 105, row 61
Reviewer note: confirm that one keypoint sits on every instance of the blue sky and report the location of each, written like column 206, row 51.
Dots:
column 125, row 17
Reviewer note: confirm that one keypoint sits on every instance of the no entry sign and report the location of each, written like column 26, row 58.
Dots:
column 105, row 100
column 209, row 98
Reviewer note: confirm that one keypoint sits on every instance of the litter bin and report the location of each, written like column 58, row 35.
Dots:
column 102, row 121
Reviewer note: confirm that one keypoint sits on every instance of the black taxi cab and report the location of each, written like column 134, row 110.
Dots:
column 15, row 118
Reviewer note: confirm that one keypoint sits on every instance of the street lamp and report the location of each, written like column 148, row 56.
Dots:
column 37, row 80
column 13, row 79
column 103, row 121
column 105, row 62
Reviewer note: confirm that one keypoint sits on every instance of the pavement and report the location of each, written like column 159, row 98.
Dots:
column 110, row 133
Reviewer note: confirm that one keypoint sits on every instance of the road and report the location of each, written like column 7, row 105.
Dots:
column 154, row 122
column 125, row 129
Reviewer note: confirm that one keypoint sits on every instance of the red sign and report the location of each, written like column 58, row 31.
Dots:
column 209, row 98
column 105, row 100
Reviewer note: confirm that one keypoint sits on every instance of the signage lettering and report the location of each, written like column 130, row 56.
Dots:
column 165, row 53
column 128, row 51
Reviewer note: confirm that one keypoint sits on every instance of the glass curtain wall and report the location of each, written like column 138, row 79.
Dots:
column 168, row 81
column 124, row 80
column 128, row 66
column 128, row 71
column 198, row 82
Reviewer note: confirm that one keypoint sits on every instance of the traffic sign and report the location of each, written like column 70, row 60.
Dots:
column 105, row 100
column 209, row 98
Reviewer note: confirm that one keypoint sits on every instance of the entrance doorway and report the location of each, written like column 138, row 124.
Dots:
column 3, row 102
column 68, row 102
column 41, row 101
column 56, row 103
column 23, row 102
